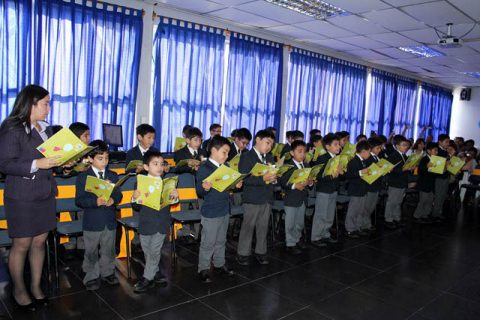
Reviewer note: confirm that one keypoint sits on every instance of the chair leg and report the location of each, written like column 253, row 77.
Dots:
column 336, row 222
column 173, row 251
column 127, row 240
column 49, row 267
column 55, row 249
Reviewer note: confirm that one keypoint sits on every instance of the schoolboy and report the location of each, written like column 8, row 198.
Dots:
column 425, row 186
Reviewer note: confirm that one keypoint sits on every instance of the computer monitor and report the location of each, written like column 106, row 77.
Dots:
column 113, row 135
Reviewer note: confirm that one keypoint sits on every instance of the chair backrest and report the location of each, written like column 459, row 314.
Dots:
column 2, row 208
column 118, row 167
column 66, row 195
column 127, row 192
column 186, row 188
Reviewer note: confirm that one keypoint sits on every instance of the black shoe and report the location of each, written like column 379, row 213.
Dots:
column 428, row 220
column 363, row 233
column 111, row 279
column 262, row 259
column 160, row 278
column 143, row 285
column 372, row 228
column 24, row 307
column 418, row 220
column 44, row 302
column 93, row 285
column 293, row 250
column 329, row 240
column 205, row 276
column 69, row 254
column 319, row 244
column 225, row 270
column 390, row 225
column 243, row 260
column 353, row 235
column 400, row 223
column 302, row 245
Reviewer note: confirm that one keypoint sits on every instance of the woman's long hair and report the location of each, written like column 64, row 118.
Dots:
column 22, row 108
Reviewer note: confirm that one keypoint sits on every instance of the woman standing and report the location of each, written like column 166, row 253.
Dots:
column 30, row 191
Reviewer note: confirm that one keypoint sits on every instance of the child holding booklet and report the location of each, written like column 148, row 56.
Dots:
column 153, row 227
column 425, row 186
column 296, row 195
column 191, row 151
column 99, row 220
column 146, row 139
column 373, row 189
column 215, row 212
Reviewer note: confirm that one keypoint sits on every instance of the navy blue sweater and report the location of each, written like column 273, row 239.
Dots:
column 216, row 204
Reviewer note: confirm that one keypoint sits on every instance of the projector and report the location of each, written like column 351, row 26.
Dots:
column 450, row 42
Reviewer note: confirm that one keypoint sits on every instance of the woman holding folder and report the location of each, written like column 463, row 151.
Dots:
column 30, row 190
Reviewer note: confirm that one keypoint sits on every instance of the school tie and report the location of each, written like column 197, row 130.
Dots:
column 264, row 159
column 100, row 174
column 195, row 154
column 302, row 166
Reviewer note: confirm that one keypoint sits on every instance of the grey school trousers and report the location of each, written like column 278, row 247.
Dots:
column 370, row 205
column 93, row 266
column 152, row 249
column 255, row 218
column 424, row 206
column 212, row 244
column 355, row 213
column 294, row 223
column 325, row 204
column 441, row 193
column 393, row 208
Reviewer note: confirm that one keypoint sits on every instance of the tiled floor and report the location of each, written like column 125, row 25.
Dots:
column 418, row 272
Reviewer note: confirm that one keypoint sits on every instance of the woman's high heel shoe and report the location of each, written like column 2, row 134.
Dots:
column 41, row 302
column 25, row 307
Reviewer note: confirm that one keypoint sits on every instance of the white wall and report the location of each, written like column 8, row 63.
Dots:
column 465, row 121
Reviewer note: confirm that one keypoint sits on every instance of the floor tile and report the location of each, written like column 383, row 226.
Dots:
column 371, row 257
column 194, row 310
column 450, row 307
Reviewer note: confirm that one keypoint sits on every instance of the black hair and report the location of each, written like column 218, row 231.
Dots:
column 145, row 129
column 374, row 142
column 273, row 129
column 431, row 145
column 329, row 138
column 194, row 132
column 56, row 128
column 315, row 138
column 398, row 139
column 443, row 136
column 360, row 136
column 217, row 142
column 298, row 143
column 78, row 128
column 314, row 132
column 382, row 138
column 342, row 134
column 101, row 147
column 186, row 128
column 289, row 134
column 149, row 155
column 362, row 146
column 470, row 141
column 297, row 134
column 419, row 140
column 460, row 138
column 243, row 133
column 262, row 134
column 22, row 107
column 233, row 133
column 214, row 126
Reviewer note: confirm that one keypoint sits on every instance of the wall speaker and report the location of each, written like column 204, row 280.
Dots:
column 465, row 94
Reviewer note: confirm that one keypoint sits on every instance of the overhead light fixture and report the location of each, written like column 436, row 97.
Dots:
column 422, row 51
column 473, row 74
column 314, row 8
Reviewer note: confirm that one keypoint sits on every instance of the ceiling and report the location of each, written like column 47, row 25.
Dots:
column 371, row 32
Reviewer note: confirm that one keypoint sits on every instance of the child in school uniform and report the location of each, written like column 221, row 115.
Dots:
column 326, row 194
column 441, row 181
column 425, row 186
column 357, row 189
column 153, row 227
column 397, row 182
column 191, row 151
column 146, row 139
column 291, row 136
column 99, row 220
column 215, row 130
column 241, row 140
column 295, row 199
column 257, row 199
column 215, row 213
column 373, row 190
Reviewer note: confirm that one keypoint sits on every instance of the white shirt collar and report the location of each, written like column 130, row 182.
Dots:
column 332, row 155
column 374, row 155
column 359, row 157
column 298, row 164
column 141, row 149
column 214, row 162
column 96, row 171
column 192, row 151
column 258, row 153
column 151, row 176
column 42, row 124
column 236, row 147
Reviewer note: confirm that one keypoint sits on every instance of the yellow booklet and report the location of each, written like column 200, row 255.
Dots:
column 277, row 149
column 234, row 162
column 455, row 165
column 188, row 162
column 319, row 151
column 332, row 166
column 374, row 172
column 348, row 150
column 260, row 169
column 287, row 156
column 385, row 165
column 66, row 144
column 81, row 167
column 132, row 165
column 315, row 171
column 344, row 159
column 412, row 161
column 103, row 188
column 150, row 191
column 308, row 157
column 169, row 184
column 438, row 164
column 300, row 175
column 179, row 143
column 283, row 169
column 224, row 178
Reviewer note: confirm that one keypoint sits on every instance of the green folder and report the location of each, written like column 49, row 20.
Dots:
column 344, row 159
column 169, row 184
column 277, row 149
column 308, row 157
column 224, row 178
column 385, row 165
column 300, row 175
column 348, row 150
column 234, row 162
column 81, row 167
column 283, row 169
column 287, row 156
column 132, row 165
column 103, row 188
column 66, row 144
column 179, row 143
column 315, row 171
column 456, row 164
column 412, row 161
column 438, row 164
column 188, row 163
column 374, row 172
column 150, row 191
column 260, row 169
column 332, row 166
column 319, row 151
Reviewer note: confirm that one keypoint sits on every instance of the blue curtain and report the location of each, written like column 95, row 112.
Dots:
column 187, row 80
column 324, row 93
column 88, row 58
column 15, row 48
column 404, row 114
column 382, row 99
column 253, row 96
column 435, row 110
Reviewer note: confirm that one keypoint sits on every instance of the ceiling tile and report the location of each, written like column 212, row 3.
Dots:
column 420, row 62
column 200, row 6
column 230, row 2
column 469, row 58
column 325, row 28
column 358, row 6
column 469, row 7
column 244, row 18
column 272, row 11
column 423, row 35
column 357, row 25
column 395, row 53
column 399, row 3
column 475, row 45
column 391, row 62
column 457, row 52
column 436, row 13
column 393, row 19
column 335, row 44
column 393, row 39
column 296, row 33
column 364, row 42
column 413, row 69
column 368, row 54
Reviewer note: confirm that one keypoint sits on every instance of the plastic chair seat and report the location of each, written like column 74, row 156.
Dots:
column 186, row 216
column 5, row 240
column 236, row 210
column 70, row 228
column 129, row 222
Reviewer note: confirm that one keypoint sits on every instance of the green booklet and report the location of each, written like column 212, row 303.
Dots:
column 319, row 151
column 224, row 178
column 234, row 162
column 132, row 165
column 179, row 143
column 332, row 166
column 188, row 163
column 150, row 191
column 385, row 165
column 65, row 144
column 374, row 172
column 344, row 159
column 456, row 164
column 308, row 157
column 81, row 167
column 103, row 188
column 438, row 164
column 283, row 169
column 169, row 184
column 277, row 149
column 348, row 150
column 287, row 156
column 300, row 175
column 315, row 171
column 260, row 169
column 412, row 161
